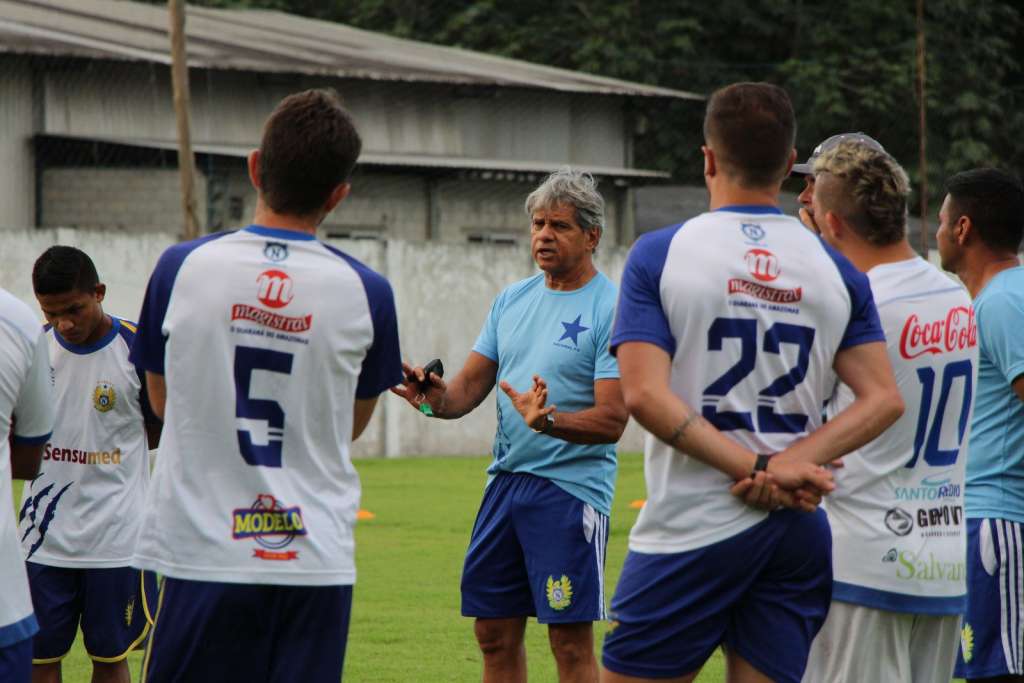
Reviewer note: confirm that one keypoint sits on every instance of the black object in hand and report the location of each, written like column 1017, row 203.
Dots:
column 435, row 366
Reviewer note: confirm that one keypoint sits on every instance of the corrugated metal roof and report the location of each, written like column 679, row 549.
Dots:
column 269, row 41
column 389, row 159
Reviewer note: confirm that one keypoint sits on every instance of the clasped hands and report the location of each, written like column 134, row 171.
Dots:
column 786, row 483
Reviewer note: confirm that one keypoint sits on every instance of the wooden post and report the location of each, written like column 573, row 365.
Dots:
column 179, row 76
column 922, row 106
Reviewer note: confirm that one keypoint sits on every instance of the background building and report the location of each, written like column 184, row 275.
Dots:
column 453, row 139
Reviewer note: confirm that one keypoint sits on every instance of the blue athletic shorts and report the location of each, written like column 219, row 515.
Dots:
column 110, row 604
column 16, row 662
column 992, row 635
column 763, row 594
column 537, row 551
column 222, row 632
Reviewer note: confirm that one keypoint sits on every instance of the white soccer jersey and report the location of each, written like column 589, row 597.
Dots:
column 897, row 512
column 25, row 394
column 85, row 507
column 265, row 338
column 752, row 307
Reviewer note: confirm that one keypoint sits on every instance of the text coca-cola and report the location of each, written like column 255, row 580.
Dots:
column 958, row 330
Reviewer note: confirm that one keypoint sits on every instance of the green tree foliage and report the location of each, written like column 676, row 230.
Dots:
column 848, row 65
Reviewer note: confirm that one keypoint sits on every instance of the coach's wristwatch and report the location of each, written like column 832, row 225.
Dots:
column 549, row 422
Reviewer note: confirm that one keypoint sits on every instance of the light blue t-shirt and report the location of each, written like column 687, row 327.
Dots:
column 563, row 337
column 995, row 461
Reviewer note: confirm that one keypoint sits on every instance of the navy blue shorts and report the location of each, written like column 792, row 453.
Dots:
column 764, row 594
column 110, row 604
column 16, row 662
column 222, row 632
column 537, row 551
column 992, row 636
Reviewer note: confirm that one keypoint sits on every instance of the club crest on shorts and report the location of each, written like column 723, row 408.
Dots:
column 129, row 612
column 559, row 592
column 104, row 397
column 967, row 643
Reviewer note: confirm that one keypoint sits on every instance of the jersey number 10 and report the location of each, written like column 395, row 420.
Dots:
column 933, row 455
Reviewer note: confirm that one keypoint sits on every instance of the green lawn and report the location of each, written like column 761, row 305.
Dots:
column 406, row 625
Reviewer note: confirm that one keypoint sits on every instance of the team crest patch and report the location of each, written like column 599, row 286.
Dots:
column 559, row 592
column 967, row 643
column 104, row 397
column 129, row 611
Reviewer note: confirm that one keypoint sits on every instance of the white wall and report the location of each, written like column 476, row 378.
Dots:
column 442, row 291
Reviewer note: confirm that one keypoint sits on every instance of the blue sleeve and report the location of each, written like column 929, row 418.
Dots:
column 148, row 416
column 148, row 348
column 487, row 343
column 863, row 326
column 640, row 316
column 1000, row 319
column 382, row 366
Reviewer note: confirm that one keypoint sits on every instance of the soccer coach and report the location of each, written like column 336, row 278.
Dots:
column 538, row 544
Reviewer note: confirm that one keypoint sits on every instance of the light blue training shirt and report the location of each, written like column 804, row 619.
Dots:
column 563, row 337
column 995, row 462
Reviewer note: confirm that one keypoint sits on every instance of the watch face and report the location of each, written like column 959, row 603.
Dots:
column 549, row 422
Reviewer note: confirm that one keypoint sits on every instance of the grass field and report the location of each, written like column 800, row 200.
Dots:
column 406, row 625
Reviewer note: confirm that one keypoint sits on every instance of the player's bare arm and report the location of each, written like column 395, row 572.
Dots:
column 361, row 413
column 603, row 423
column 156, row 389
column 450, row 400
column 153, row 430
column 877, row 404
column 645, row 371
column 25, row 460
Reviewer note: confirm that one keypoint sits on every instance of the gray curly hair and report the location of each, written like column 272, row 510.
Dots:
column 567, row 186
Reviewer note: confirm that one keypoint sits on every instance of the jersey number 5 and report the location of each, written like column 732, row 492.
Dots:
column 260, row 421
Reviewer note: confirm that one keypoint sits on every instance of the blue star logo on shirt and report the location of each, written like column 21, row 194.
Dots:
column 572, row 330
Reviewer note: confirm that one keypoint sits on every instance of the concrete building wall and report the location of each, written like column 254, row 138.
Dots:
column 17, row 172
column 135, row 200
column 89, row 99
column 442, row 291
column 108, row 99
column 382, row 205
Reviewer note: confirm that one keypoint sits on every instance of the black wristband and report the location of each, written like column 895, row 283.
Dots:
column 761, row 465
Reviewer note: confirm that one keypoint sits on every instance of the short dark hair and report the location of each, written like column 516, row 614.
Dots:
column 309, row 147
column 994, row 201
column 63, row 269
column 752, row 129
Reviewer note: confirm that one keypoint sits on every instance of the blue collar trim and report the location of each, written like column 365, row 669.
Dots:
column 280, row 233
column 83, row 349
column 751, row 208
